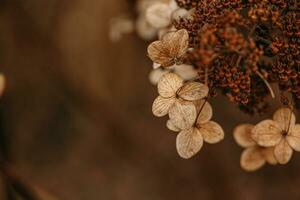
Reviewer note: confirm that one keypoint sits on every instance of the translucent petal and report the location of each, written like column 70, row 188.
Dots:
column 268, row 153
column 189, row 142
column 159, row 15
column 183, row 114
column 161, row 106
column 212, row 132
column 179, row 43
column 294, row 137
column 252, row 159
column 285, row 118
column 206, row 111
column 160, row 53
column 193, row 91
column 242, row 135
column 172, row 127
column 169, row 84
column 283, row 152
column 267, row 133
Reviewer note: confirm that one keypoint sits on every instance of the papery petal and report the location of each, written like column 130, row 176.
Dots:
column 189, row 142
column 204, row 111
column 160, row 53
column 169, row 84
column 159, row 15
column 242, row 135
column 267, row 133
column 183, row 114
column 193, row 91
column 283, row 152
column 294, row 137
column 172, row 127
column 252, row 159
column 161, row 106
column 268, row 153
column 211, row 131
column 285, row 118
column 177, row 42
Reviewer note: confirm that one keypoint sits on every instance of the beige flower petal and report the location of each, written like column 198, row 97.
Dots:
column 242, row 135
column 285, row 118
column 267, row 133
column 252, row 159
column 193, row 91
column 211, row 131
column 144, row 29
column 159, row 53
column 161, row 106
column 159, row 15
column 172, row 127
column 169, row 84
column 206, row 111
column 283, row 152
column 179, row 43
column 294, row 137
column 183, row 114
column 268, row 154
column 189, row 142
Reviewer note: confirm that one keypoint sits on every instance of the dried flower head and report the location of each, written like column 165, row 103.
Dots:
column 254, row 156
column 282, row 133
column 170, row 49
column 195, row 126
column 171, row 89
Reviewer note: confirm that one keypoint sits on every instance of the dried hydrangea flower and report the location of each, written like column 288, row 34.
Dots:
column 195, row 127
column 171, row 88
column 254, row 156
column 281, row 133
column 170, row 49
column 185, row 71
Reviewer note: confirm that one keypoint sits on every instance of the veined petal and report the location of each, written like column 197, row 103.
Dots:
column 193, row 91
column 252, row 159
column 159, row 53
column 267, row 133
column 211, row 131
column 205, row 109
column 242, row 135
column 294, row 137
column 161, row 106
column 172, row 127
column 268, row 153
column 169, row 84
column 283, row 152
column 189, row 142
column 179, row 43
column 183, row 114
column 285, row 118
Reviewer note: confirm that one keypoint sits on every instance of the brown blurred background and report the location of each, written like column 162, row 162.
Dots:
column 77, row 113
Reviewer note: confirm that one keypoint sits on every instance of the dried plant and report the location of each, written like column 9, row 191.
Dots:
column 241, row 49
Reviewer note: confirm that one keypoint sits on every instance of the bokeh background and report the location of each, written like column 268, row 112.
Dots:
column 77, row 115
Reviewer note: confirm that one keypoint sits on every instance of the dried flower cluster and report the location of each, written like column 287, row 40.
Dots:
column 272, row 140
column 242, row 49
